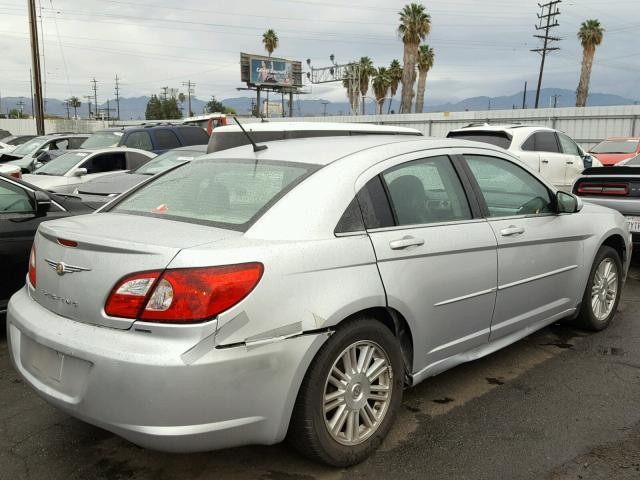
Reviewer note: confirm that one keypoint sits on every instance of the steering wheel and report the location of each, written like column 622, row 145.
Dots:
column 534, row 206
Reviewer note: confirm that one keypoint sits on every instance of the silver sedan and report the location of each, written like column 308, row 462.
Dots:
column 296, row 291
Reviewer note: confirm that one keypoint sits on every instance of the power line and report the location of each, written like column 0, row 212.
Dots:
column 552, row 11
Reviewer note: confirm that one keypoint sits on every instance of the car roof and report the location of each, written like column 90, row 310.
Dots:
column 190, row 148
column 91, row 151
column 314, row 150
column 623, row 138
column 472, row 127
column 142, row 126
column 317, row 126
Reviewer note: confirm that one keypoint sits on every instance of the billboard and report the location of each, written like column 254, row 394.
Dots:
column 259, row 70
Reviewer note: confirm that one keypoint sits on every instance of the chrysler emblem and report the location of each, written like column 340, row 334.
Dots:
column 61, row 268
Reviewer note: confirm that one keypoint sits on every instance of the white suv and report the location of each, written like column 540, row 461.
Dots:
column 552, row 153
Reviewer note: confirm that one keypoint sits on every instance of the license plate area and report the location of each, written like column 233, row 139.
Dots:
column 634, row 223
column 42, row 362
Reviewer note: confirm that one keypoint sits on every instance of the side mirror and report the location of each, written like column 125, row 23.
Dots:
column 587, row 160
column 79, row 172
column 42, row 157
column 43, row 203
column 568, row 203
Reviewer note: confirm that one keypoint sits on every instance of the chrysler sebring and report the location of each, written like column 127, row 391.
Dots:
column 295, row 291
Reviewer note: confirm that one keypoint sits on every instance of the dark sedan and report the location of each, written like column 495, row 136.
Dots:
column 101, row 190
column 22, row 208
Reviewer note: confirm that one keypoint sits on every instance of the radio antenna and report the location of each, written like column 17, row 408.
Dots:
column 256, row 148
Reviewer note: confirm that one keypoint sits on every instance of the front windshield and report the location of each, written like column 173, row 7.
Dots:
column 103, row 140
column 167, row 160
column 62, row 164
column 29, row 147
column 616, row 146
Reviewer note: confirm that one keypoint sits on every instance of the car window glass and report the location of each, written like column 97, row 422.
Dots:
column 140, row 140
column 568, row 146
column 426, row 191
column 508, row 189
column 59, row 144
column 351, row 220
column 374, row 205
column 14, row 199
column 499, row 139
column 75, row 142
column 106, row 162
column 166, row 139
column 541, row 142
column 194, row 135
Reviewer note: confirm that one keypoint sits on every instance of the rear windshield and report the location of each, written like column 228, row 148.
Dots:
column 224, row 193
column 616, row 146
column 103, row 140
column 499, row 139
column 167, row 160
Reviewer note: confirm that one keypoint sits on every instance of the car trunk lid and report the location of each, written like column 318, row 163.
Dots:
column 75, row 281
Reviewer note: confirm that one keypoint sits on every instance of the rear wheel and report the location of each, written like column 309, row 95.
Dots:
column 350, row 395
column 601, row 297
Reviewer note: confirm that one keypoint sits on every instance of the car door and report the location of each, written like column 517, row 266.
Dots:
column 97, row 165
column 573, row 159
column 436, row 256
column 18, row 224
column 140, row 140
column 552, row 161
column 539, row 251
column 165, row 139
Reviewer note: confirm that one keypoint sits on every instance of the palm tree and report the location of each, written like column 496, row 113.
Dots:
column 590, row 34
column 425, row 62
column 270, row 40
column 381, row 83
column 74, row 102
column 366, row 71
column 395, row 75
column 415, row 25
column 350, row 82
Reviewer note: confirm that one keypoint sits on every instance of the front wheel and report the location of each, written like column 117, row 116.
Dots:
column 601, row 297
column 350, row 395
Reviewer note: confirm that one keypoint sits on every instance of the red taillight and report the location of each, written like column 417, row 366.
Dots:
column 183, row 295
column 67, row 243
column 32, row 266
column 17, row 174
column 603, row 189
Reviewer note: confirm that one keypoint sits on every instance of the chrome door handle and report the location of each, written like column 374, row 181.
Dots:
column 545, row 161
column 569, row 163
column 405, row 242
column 511, row 230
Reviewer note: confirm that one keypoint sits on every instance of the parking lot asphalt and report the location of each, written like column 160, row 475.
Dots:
column 561, row 404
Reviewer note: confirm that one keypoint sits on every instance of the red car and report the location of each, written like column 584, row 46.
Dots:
column 616, row 149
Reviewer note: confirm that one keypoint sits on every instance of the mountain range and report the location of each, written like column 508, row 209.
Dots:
column 134, row 107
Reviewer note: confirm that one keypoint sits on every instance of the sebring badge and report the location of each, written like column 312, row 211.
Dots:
column 62, row 268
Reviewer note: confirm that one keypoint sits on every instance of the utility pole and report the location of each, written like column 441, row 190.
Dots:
column 35, row 61
column 190, row 89
column 164, row 93
column 555, row 100
column 549, row 12
column 117, row 97
column 21, row 105
column 95, row 95
column 524, row 96
column 66, row 103
column 324, row 108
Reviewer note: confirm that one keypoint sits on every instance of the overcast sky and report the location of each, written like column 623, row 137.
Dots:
column 481, row 47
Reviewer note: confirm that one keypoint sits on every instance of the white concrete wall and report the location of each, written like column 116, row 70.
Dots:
column 28, row 126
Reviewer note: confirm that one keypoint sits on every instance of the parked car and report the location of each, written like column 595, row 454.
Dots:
column 231, row 136
column 101, row 190
column 22, row 208
column 63, row 174
column 549, row 152
column 156, row 137
column 10, row 170
column 614, row 150
column 233, row 300
column 614, row 187
column 15, row 140
column 36, row 150
column 4, row 134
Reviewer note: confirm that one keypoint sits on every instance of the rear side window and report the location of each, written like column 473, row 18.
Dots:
column 225, row 193
column 193, row 136
column 140, row 140
column 75, row 142
column 106, row 162
column 374, row 205
column 541, row 142
column 166, row 139
column 499, row 139
column 351, row 220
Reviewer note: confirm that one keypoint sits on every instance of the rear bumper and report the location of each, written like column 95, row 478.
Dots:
column 151, row 391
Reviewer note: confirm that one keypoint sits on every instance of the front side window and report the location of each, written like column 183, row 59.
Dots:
column 541, row 142
column 14, row 199
column 226, row 193
column 166, row 139
column 568, row 146
column 507, row 189
column 426, row 191
column 140, row 140
column 105, row 162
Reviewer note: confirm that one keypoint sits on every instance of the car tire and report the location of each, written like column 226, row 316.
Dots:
column 367, row 405
column 602, row 295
